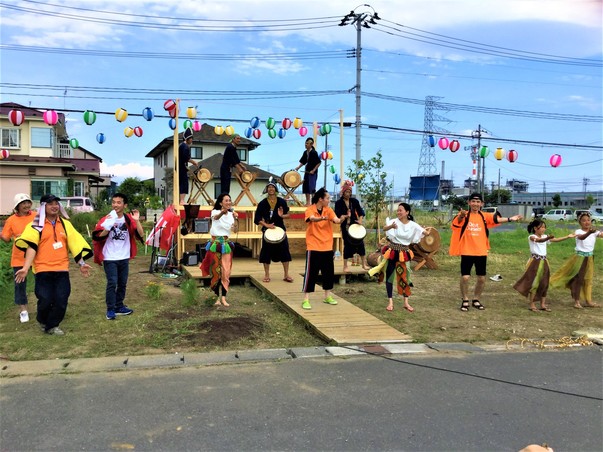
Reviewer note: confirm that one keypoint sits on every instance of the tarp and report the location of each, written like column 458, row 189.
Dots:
column 424, row 188
column 164, row 232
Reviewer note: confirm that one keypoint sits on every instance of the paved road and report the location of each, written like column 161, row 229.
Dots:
column 471, row 402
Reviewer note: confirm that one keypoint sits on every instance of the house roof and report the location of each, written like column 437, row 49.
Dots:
column 205, row 136
column 214, row 162
column 21, row 160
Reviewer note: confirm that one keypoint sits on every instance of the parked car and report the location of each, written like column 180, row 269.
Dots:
column 537, row 212
column 78, row 203
column 559, row 215
column 490, row 209
column 596, row 217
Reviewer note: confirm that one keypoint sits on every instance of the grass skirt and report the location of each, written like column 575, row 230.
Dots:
column 577, row 275
column 535, row 280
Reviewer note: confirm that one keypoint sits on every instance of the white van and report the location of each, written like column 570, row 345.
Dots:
column 77, row 203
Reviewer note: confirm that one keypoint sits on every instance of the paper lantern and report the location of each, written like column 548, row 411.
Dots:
column 169, row 104
column 499, row 154
column 330, row 155
column 172, row 124
column 229, row 130
column 128, row 131
column 443, row 143
column 454, row 145
column 191, row 112
column 254, row 122
column 431, row 141
column 303, row 131
column 248, row 132
column 121, row 115
column 89, row 117
column 270, row 123
column 74, row 143
column 50, row 117
column 138, row 131
column 512, row 156
column 332, row 169
column 324, row 155
column 297, row 123
column 272, row 133
column 555, row 160
column 282, row 133
column 257, row 133
column 16, row 117
column 326, row 129
column 286, row 123
column 484, row 151
column 100, row 137
column 173, row 112
column 4, row 154
column 318, row 129
column 197, row 126
column 147, row 113
column 218, row 130
column 187, row 124
column 336, row 178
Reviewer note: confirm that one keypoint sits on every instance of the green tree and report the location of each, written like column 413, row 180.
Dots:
column 492, row 197
column 133, row 188
column 556, row 200
column 457, row 202
column 590, row 200
column 371, row 184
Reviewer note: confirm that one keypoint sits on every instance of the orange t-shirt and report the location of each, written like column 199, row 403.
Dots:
column 13, row 227
column 51, row 257
column 474, row 241
column 319, row 234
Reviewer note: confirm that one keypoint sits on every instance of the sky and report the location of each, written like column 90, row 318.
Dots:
column 529, row 72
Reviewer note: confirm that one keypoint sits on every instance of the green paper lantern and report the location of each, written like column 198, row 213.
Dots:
column 188, row 124
column 270, row 123
column 272, row 133
column 89, row 117
column 484, row 151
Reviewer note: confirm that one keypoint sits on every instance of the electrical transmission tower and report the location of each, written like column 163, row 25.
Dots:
column 427, row 159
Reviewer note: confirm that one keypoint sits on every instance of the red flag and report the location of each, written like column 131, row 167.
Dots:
column 163, row 233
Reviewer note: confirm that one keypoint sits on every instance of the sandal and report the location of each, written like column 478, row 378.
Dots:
column 477, row 305
column 288, row 279
column 266, row 280
column 546, row 309
column 465, row 305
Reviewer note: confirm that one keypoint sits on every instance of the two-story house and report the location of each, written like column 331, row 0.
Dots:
column 208, row 149
column 42, row 161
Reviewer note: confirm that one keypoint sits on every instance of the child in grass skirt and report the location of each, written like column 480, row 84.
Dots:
column 534, row 283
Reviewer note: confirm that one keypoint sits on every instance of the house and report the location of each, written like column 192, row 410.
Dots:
column 42, row 161
column 207, row 149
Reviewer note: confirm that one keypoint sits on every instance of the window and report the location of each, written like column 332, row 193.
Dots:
column 197, row 153
column 10, row 138
column 242, row 154
column 40, row 188
column 78, row 188
column 41, row 137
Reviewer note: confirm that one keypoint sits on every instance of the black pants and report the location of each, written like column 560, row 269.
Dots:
column 319, row 262
column 52, row 290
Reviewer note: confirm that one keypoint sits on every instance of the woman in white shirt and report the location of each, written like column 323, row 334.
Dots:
column 534, row 283
column 578, row 271
column 218, row 260
column 400, row 233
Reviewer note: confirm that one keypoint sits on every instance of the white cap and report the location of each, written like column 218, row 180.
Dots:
column 19, row 198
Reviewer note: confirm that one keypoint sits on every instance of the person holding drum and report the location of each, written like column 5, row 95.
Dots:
column 184, row 158
column 319, row 246
column 311, row 159
column 400, row 232
column 352, row 232
column 218, row 260
column 269, row 214
column 230, row 160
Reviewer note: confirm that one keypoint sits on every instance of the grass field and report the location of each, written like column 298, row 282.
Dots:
column 172, row 317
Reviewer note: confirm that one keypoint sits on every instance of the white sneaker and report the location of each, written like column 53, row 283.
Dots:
column 496, row 278
column 24, row 316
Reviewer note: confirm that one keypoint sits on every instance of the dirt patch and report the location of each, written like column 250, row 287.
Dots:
column 220, row 332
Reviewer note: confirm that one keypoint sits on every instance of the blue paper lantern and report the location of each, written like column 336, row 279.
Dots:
column 336, row 178
column 254, row 122
column 148, row 114
column 172, row 124
column 248, row 132
column 100, row 137
column 282, row 133
column 432, row 141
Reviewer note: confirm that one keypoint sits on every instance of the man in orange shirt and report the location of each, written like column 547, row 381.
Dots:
column 319, row 246
column 470, row 241
column 47, row 242
column 13, row 227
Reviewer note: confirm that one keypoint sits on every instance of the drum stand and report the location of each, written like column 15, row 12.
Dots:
column 289, row 192
column 199, row 189
column 423, row 258
column 245, row 189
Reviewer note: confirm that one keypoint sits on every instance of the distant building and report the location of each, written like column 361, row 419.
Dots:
column 517, row 186
column 572, row 199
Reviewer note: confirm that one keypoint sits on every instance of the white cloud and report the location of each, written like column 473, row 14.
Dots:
column 133, row 169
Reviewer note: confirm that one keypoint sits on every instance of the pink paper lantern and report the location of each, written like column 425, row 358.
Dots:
column 16, row 117
column 50, row 117
column 555, row 160
column 4, row 154
column 197, row 126
column 303, row 131
column 443, row 143
column 257, row 133
column 512, row 155
column 454, row 145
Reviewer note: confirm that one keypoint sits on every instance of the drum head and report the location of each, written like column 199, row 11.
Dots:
column 246, row 176
column 291, row 179
column 357, row 231
column 204, row 175
column 430, row 242
column 275, row 235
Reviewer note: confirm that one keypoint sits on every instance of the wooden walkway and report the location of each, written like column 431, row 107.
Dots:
column 343, row 324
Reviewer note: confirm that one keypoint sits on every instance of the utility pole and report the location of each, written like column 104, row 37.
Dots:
column 360, row 20
column 481, row 165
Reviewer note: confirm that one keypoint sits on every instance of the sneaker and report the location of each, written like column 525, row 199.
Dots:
column 110, row 315
column 24, row 316
column 42, row 326
column 124, row 310
column 330, row 300
column 496, row 278
column 306, row 305
column 56, row 331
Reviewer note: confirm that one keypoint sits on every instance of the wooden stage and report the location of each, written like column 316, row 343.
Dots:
column 343, row 324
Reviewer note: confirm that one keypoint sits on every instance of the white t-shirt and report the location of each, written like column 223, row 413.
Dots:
column 117, row 245
column 538, row 248
column 404, row 234
column 223, row 226
column 588, row 244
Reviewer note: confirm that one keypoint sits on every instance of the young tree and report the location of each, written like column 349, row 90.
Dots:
column 556, row 200
column 371, row 184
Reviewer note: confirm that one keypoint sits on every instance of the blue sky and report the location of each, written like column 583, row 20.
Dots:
column 396, row 63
